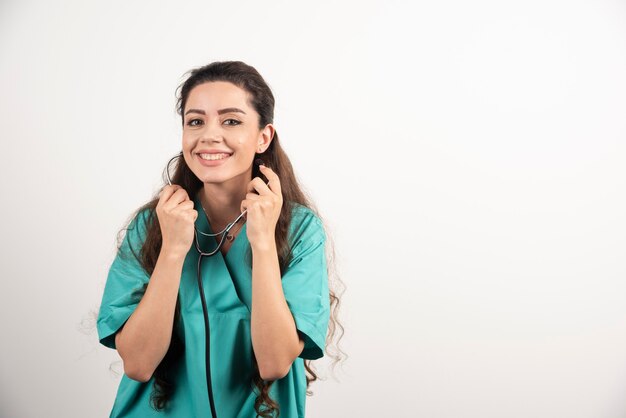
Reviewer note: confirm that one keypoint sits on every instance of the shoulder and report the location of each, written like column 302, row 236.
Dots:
column 305, row 224
column 141, row 219
column 136, row 230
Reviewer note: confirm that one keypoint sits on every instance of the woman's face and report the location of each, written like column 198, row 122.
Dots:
column 221, row 126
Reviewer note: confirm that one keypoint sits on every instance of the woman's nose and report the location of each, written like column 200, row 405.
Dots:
column 212, row 138
column 212, row 132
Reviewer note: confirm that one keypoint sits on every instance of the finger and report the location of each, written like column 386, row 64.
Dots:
column 177, row 197
column 259, row 186
column 274, row 181
column 167, row 191
column 252, row 196
column 185, row 206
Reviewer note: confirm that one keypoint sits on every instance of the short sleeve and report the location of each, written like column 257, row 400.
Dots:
column 305, row 283
column 125, row 280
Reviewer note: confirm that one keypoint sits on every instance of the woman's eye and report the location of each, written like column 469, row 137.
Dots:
column 232, row 122
column 191, row 122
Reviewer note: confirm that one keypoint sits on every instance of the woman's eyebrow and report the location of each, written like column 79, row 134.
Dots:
column 219, row 112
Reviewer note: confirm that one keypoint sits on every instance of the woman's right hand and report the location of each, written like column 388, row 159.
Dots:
column 176, row 219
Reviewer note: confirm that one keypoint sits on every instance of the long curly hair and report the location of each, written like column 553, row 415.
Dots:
column 262, row 100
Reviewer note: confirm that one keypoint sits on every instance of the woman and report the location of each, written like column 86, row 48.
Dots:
column 265, row 291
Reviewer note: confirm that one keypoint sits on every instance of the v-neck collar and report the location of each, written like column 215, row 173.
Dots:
column 209, row 243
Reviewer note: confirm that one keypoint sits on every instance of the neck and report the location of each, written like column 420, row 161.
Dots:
column 222, row 201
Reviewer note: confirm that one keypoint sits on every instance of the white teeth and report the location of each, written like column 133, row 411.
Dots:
column 212, row 157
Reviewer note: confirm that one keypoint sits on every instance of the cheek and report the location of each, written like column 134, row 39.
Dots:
column 247, row 144
column 188, row 141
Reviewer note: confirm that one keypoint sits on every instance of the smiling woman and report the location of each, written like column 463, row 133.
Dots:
column 266, row 293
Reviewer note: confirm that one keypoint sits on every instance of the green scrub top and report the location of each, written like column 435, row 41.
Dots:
column 227, row 282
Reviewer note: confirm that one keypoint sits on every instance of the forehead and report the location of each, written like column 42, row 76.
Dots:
column 216, row 95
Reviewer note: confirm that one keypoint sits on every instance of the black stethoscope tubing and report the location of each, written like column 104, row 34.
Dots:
column 207, row 333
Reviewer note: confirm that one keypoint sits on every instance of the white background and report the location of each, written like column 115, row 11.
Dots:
column 469, row 159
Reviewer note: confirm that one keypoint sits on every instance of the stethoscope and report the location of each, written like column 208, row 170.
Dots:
column 201, row 288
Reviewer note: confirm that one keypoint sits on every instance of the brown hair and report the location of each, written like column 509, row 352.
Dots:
column 262, row 100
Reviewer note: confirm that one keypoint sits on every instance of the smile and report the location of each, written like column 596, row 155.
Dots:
column 212, row 157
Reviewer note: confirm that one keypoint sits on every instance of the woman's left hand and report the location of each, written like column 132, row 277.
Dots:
column 263, row 209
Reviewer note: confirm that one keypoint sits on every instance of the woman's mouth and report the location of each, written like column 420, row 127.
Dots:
column 212, row 160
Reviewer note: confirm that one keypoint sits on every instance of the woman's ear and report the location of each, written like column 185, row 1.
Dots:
column 265, row 138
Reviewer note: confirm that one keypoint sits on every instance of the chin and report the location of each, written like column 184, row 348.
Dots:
column 218, row 178
column 218, row 175
column 214, row 179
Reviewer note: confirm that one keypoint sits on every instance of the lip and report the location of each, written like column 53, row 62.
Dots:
column 213, row 163
column 213, row 151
